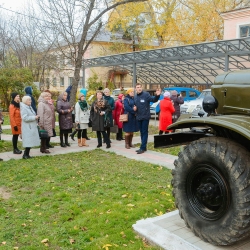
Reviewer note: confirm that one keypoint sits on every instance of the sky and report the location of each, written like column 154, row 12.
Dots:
column 14, row 5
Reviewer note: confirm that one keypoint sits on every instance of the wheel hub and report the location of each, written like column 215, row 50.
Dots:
column 208, row 192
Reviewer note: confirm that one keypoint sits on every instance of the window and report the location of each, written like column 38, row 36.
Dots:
column 54, row 82
column 192, row 94
column 70, row 81
column 80, row 83
column 183, row 93
column 61, row 81
column 245, row 30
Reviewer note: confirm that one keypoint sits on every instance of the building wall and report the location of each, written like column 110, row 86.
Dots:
column 233, row 20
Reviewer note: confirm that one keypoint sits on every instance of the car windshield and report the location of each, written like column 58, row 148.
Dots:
column 203, row 94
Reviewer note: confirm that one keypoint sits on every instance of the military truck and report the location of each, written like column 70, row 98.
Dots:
column 211, row 179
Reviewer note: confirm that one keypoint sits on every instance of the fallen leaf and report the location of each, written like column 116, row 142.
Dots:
column 4, row 243
column 124, row 196
column 130, row 205
column 107, row 246
column 45, row 241
column 72, row 241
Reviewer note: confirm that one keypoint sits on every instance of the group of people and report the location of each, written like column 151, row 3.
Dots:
column 103, row 113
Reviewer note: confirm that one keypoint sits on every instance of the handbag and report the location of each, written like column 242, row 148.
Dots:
column 106, row 122
column 43, row 134
column 90, row 123
column 123, row 118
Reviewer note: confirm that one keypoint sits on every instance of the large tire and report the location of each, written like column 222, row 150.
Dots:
column 211, row 186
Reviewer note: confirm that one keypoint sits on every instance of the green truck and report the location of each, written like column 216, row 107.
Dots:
column 211, row 179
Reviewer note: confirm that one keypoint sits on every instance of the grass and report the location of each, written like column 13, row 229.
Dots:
column 89, row 200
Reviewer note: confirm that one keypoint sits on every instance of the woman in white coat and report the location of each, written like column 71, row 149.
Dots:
column 30, row 136
column 82, row 114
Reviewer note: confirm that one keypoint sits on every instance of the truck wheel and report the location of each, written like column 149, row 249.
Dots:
column 211, row 186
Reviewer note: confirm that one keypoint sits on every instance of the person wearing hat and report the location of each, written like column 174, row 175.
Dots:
column 15, row 120
column 116, row 115
column 82, row 115
column 142, row 108
column 167, row 109
column 131, row 125
column 111, row 102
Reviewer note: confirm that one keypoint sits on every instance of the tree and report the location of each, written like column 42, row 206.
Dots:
column 174, row 22
column 71, row 25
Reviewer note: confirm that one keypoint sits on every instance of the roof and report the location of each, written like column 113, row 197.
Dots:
column 189, row 64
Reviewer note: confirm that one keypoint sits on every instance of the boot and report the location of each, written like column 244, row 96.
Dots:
column 80, row 142
column 17, row 151
column 66, row 140
column 73, row 134
column 127, row 141
column 25, row 156
column 43, row 147
column 84, row 142
column 130, row 141
column 48, row 145
column 61, row 141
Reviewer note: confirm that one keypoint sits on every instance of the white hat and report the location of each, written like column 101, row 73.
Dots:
column 166, row 94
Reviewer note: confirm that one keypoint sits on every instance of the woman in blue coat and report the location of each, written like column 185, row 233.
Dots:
column 131, row 125
column 111, row 102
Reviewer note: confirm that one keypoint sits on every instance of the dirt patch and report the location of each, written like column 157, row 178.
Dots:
column 4, row 193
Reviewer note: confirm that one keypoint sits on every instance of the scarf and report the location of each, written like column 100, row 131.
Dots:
column 99, row 104
column 16, row 104
column 83, row 105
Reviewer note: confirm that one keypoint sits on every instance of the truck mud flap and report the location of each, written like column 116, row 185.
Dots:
column 175, row 139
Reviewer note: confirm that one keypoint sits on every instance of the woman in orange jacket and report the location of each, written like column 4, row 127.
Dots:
column 15, row 120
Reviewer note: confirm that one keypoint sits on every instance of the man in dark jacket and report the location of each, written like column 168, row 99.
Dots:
column 142, row 108
column 28, row 90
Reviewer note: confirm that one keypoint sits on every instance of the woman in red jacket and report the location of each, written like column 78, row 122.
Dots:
column 119, row 109
column 167, row 109
column 15, row 120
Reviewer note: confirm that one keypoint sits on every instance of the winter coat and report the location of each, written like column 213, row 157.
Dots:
column 132, row 124
column 117, row 112
column 30, row 135
column 65, row 115
column 96, row 118
column 167, row 109
column 15, row 119
column 81, row 117
column 46, row 116
column 177, row 101
column 111, row 103
column 142, row 102
column 28, row 90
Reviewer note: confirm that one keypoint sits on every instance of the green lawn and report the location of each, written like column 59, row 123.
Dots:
column 87, row 200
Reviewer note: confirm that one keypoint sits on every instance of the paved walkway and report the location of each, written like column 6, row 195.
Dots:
column 167, row 231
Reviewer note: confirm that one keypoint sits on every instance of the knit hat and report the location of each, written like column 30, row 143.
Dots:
column 129, row 91
column 80, row 95
column 13, row 95
column 166, row 94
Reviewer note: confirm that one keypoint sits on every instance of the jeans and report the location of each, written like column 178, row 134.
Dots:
column 143, row 127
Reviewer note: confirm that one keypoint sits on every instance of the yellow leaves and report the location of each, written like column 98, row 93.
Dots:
column 106, row 246
column 3, row 243
column 158, row 213
column 123, row 234
column 124, row 196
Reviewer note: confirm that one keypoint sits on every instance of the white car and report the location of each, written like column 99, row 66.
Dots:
column 195, row 106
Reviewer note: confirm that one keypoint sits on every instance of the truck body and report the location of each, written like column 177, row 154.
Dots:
column 211, row 179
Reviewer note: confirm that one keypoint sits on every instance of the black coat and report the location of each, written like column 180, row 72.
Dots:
column 96, row 118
